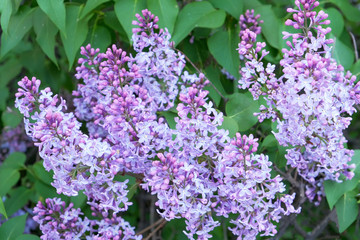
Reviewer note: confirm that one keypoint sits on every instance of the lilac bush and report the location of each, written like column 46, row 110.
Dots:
column 195, row 169
column 311, row 101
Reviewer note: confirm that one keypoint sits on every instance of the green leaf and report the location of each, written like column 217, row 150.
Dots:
column 4, row 94
column 280, row 159
column 45, row 34
column 55, row 10
column 190, row 17
column 213, row 74
column 241, row 107
column 8, row 71
column 27, row 237
column 76, row 31
column 231, row 125
column 111, row 21
column 45, row 190
column 174, row 230
column 234, row 7
column 8, row 178
column 275, row 151
column 6, row 11
column 90, row 6
column 18, row 198
column 47, row 71
column 19, row 25
column 100, row 38
column 343, row 54
column 78, row 200
column 252, row 4
column 39, row 171
column 215, row 97
column 13, row 228
column 336, row 21
column 16, row 4
column 270, row 26
column 166, row 10
column 15, row 160
column 212, row 20
column 2, row 208
column 125, row 11
column 335, row 190
column 269, row 142
column 347, row 210
column 170, row 118
column 349, row 11
column 132, row 190
column 11, row 118
column 355, row 69
column 222, row 46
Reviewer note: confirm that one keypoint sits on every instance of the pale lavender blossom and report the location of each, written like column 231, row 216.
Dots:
column 204, row 174
column 58, row 221
column 195, row 170
column 310, row 101
column 159, row 64
column 78, row 162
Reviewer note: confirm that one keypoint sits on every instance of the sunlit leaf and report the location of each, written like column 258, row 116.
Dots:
column 166, row 10
column 241, row 107
column 13, row 228
column 90, row 6
column 196, row 14
column 222, row 46
column 125, row 11
column 45, row 34
column 347, row 210
column 55, row 10
column 76, row 31
column 19, row 25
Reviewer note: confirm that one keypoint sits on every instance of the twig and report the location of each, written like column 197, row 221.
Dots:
column 300, row 230
column 355, row 46
column 288, row 177
column 289, row 220
column 314, row 234
column 320, row 227
column 151, row 226
column 152, row 213
column 225, row 230
column 286, row 222
column 198, row 70
column 156, row 229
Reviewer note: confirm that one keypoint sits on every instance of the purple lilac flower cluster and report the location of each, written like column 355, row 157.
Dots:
column 160, row 65
column 78, row 162
column 117, row 97
column 248, row 189
column 310, row 101
column 60, row 222
column 123, row 110
column 196, row 170
column 204, row 174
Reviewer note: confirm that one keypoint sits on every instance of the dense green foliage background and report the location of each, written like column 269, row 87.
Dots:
column 42, row 38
